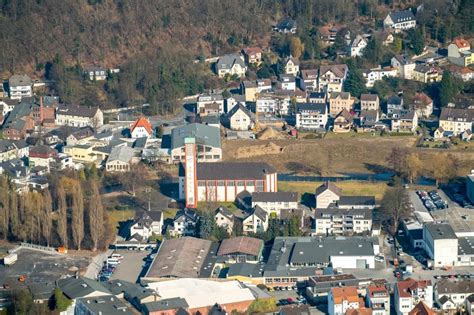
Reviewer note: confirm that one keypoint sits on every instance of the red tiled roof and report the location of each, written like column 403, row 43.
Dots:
column 461, row 43
column 252, row 50
column 421, row 309
column 376, row 289
column 345, row 293
column 404, row 287
column 142, row 122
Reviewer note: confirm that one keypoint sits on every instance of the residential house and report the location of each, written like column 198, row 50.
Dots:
column 81, row 136
column 369, row 102
column 208, row 143
column 20, row 86
column 386, row 38
column 311, row 116
column 422, row 104
column 317, row 97
column 287, row 82
column 369, row 120
column 141, row 128
column 343, row 122
column 422, row 309
column 404, row 65
column 79, row 116
column 357, row 46
column 427, row 74
column 84, row 154
column 274, row 202
column 210, row 98
column 19, row 121
column 394, row 105
column 451, row 295
column 463, row 73
column 232, row 64
column 95, row 73
column 212, row 120
column 7, row 105
column 286, row 26
column 456, row 120
column 272, row 103
column 469, row 306
column 309, row 80
column 253, row 55
column 256, row 221
column 460, row 53
column 41, row 155
column 120, row 159
column 377, row 298
column 184, row 223
column 400, row 20
column 339, row 221
column 405, row 121
column 340, row 300
column 240, row 118
column 235, row 99
column 291, row 66
column 249, row 90
column 10, row 150
column 146, row 224
column 224, row 219
column 242, row 249
column 327, row 194
column 328, row 33
column 377, row 74
column 339, row 101
column 408, row 293
column 264, row 85
column 331, row 78
column 441, row 244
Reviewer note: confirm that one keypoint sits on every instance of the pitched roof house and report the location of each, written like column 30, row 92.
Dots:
column 79, row 116
column 141, row 128
column 224, row 218
column 240, row 118
column 253, row 55
column 400, row 20
column 422, row 104
column 327, row 194
column 120, row 159
column 232, row 64
column 147, row 223
column 340, row 101
column 343, row 122
column 256, row 221
column 292, row 66
column 184, row 223
column 409, row 292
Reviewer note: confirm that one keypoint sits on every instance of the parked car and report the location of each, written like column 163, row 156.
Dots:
column 379, row 258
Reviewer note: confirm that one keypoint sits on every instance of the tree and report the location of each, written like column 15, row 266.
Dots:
column 397, row 44
column 294, row 226
column 394, row 206
column 296, row 47
column 22, row 301
column 131, row 179
column 414, row 166
column 448, row 88
column 397, row 160
column 444, row 167
column 205, row 225
column 95, row 214
column 355, row 83
column 61, row 222
column 45, row 217
column 417, row 41
column 61, row 302
column 4, row 206
column 77, row 214
column 374, row 51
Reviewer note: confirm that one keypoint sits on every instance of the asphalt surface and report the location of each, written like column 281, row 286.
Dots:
column 131, row 266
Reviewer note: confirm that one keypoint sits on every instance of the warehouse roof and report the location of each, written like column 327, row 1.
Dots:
column 78, row 287
column 440, row 231
column 203, row 134
column 108, row 304
column 242, row 244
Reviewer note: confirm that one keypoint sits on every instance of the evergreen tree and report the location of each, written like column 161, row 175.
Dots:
column 355, row 83
column 448, row 89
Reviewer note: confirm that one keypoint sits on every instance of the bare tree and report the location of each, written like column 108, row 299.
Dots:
column 95, row 214
column 4, row 207
column 131, row 179
column 77, row 215
column 45, row 217
column 61, row 223
column 394, row 206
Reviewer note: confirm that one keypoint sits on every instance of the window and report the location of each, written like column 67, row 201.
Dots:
column 220, row 183
column 259, row 185
column 240, row 183
column 249, row 183
column 201, row 183
column 230, row 183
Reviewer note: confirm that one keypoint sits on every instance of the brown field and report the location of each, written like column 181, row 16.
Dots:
column 334, row 155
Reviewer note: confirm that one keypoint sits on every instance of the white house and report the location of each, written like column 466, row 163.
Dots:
column 256, row 221
column 292, row 66
column 274, row 202
column 207, row 99
column 377, row 74
column 79, row 116
column 311, row 116
column 441, row 244
column 404, row 65
column 141, row 128
column 357, row 46
column 452, row 294
column 232, row 64
column 96, row 73
column 20, row 86
column 378, row 299
column 398, row 21
column 408, row 293
column 288, row 82
column 239, row 118
column 147, row 224
column 327, row 194
column 184, row 223
column 341, row 299
column 224, row 218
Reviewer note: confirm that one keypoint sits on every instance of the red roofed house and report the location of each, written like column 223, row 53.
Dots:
column 141, row 128
column 459, row 53
column 422, row 104
column 463, row 73
column 410, row 292
column 341, row 299
column 378, row 299
column 421, row 309
column 252, row 55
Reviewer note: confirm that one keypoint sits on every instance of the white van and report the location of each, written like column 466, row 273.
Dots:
column 113, row 261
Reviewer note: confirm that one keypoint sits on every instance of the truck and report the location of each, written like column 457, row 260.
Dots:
column 10, row 259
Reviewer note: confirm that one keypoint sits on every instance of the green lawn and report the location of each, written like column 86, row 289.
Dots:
column 349, row 188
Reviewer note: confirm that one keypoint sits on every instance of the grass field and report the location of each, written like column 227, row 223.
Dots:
column 116, row 216
column 349, row 188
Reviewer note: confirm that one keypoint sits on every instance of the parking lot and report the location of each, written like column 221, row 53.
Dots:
column 131, row 265
column 461, row 219
column 40, row 267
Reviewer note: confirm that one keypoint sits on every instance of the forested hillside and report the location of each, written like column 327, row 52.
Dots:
column 155, row 42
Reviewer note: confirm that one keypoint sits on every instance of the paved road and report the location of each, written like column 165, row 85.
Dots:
column 131, row 266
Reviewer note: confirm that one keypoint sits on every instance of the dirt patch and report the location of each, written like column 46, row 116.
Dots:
column 270, row 133
column 270, row 148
